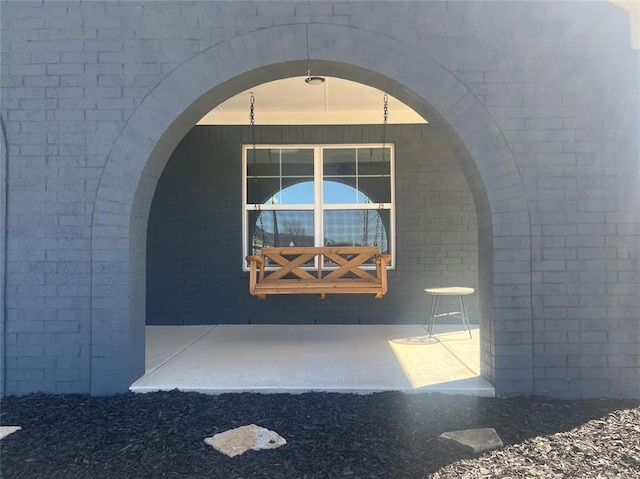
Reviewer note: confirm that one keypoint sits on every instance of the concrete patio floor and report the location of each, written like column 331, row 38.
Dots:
column 223, row 358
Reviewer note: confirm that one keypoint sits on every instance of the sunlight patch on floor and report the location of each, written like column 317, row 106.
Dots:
column 433, row 360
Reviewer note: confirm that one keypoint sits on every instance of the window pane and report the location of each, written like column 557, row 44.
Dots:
column 357, row 228
column 262, row 190
column 339, row 161
column 351, row 175
column 295, row 228
column 372, row 162
column 265, row 163
column 341, row 190
column 280, row 228
column 378, row 189
column 297, row 163
column 296, row 191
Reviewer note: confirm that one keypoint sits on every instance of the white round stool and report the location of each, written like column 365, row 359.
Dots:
column 452, row 291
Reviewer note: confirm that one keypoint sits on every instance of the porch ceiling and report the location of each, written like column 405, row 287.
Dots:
column 292, row 101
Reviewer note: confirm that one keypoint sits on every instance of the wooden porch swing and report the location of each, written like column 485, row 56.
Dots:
column 299, row 269
column 290, row 278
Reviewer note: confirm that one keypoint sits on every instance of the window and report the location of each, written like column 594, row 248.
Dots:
column 341, row 195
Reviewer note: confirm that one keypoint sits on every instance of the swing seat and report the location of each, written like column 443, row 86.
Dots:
column 345, row 276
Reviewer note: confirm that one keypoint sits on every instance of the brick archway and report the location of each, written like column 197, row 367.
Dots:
column 184, row 96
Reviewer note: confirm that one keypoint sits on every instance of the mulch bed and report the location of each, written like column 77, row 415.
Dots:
column 385, row 435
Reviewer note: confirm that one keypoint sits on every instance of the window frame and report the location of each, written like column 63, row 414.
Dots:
column 318, row 207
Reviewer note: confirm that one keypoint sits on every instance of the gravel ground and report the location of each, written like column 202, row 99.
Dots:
column 385, row 435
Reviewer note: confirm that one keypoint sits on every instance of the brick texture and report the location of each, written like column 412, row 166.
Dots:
column 194, row 254
column 538, row 102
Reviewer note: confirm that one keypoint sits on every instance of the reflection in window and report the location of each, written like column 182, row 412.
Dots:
column 273, row 228
column 356, row 228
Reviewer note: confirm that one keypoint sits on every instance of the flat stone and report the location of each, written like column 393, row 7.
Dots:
column 6, row 430
column 478, row 440
column 241, row 439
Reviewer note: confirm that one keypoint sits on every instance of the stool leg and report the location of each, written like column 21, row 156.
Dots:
column 432, row 315
column 465, row 318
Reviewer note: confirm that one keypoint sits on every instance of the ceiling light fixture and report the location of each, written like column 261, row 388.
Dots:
column 313, row 80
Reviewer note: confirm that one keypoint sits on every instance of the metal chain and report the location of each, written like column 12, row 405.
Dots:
column 256, row 207
column 365, row 228
column 276, row 233
column 382, row 232
column 375, row 237
column 385, row 111
column 252, row 122
column 385, row 99
column 378, row 229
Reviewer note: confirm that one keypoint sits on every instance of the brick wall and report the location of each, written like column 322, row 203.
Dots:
column 539, row 101
column 194, row 252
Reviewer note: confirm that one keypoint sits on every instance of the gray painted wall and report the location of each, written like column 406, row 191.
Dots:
column 540, row 100
column 194, row 240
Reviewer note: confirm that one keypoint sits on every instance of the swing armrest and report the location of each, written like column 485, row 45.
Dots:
column 382, row 260
column 256, row 263
column 257, row 259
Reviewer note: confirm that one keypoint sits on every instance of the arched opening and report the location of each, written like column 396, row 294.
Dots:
column 165, row 117
column 310, row 185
